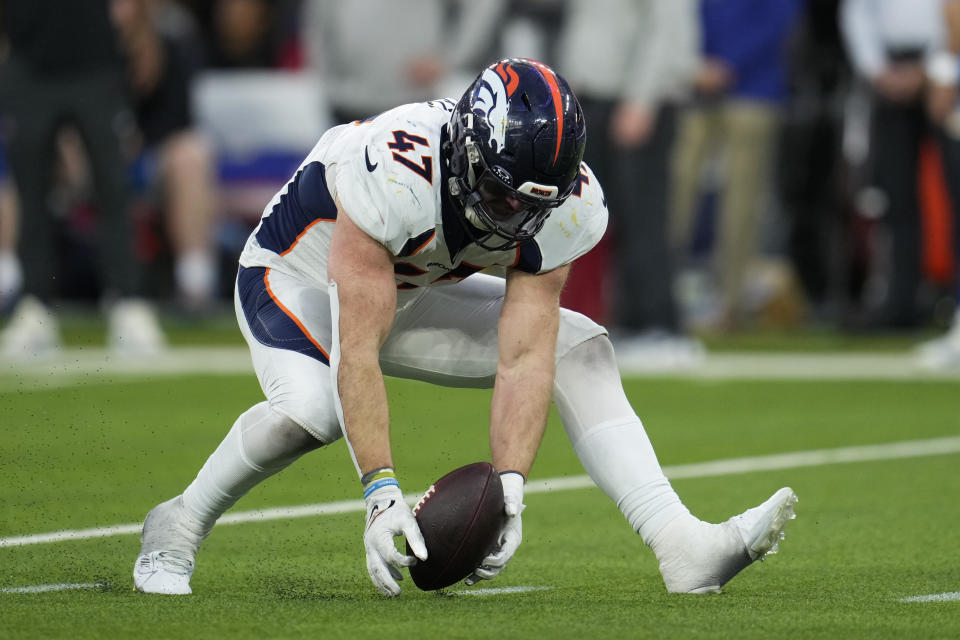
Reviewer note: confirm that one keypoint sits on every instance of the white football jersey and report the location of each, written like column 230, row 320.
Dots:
column 389, row 176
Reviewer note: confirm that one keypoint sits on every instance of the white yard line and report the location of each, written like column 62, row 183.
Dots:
column 934, row 597
column 802, row 366
column 43, row 588
column 797, row 459
column 72, row 367
column 79, row 366
column 495, row 591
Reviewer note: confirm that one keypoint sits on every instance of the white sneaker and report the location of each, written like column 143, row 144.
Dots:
column 699, row 557
column 134, row 329
column 657, row 350
column 169, row 545
column 33, row 331
column 941, row 354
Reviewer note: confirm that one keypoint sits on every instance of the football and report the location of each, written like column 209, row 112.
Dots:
column 460, row 517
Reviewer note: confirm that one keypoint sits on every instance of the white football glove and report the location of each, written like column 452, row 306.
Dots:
column 510, row 534
column 389, row 516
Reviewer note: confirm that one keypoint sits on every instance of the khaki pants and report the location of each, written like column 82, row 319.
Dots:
column 744, row 133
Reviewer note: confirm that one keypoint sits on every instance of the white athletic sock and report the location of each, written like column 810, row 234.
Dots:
column 610, row 440
column 261, row 443
column 11, row 276
column 196, row 274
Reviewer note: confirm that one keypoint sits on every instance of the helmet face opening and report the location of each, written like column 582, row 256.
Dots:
column 508, row 214
column 507, row 206
column 516, row 142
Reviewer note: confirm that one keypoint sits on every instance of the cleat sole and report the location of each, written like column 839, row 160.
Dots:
column 768, row 542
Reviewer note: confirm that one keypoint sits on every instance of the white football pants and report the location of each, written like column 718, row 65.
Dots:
column 443, row 335
column 446, row 336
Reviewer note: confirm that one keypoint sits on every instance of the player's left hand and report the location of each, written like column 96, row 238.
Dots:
column 510, row 535
column 389, row 516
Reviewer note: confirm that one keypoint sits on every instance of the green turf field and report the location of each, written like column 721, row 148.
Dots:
column 104, row 449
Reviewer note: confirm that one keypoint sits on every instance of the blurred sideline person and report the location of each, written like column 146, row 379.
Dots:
column 367, row 263
column 11, row 275
column 530, row 28
column 813, row 181
column 631, row 63
column 740, row 85
column 365, row 68
column 943, row 106
column 891, row 44
column 249, row 34
column 64, row 68
column 174, row 158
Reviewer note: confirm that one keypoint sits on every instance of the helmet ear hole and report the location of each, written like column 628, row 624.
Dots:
column 526, row 100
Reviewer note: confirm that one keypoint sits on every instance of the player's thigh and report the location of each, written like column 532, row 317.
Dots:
column 287, row 326
column 448, row 335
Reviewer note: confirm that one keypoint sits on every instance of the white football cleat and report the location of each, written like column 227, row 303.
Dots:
column 134, row 329
column 699, row 557
column 33, row 331
column 169, row 545
column 163, row 572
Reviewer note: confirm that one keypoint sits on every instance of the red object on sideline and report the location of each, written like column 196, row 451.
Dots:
column 587, row 290
column 936, row 217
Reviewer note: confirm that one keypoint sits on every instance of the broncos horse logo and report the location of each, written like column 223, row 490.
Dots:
column 491, row 100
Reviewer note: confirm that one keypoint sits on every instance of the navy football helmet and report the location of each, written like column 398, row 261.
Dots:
column 516, row 139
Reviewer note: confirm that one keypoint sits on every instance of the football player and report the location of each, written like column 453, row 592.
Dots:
column 370, row 261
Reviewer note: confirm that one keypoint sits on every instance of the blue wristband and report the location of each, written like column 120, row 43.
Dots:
column 379, row 484
column 378, row 479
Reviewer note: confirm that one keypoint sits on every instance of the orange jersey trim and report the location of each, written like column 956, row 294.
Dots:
column 296, row 320
column 303, row 233
column 425, row 243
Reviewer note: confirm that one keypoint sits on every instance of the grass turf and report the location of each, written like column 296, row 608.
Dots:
column 867, row 533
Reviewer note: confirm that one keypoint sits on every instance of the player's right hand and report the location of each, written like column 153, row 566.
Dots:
column 389, row 516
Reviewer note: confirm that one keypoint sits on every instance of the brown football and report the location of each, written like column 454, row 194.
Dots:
column 460, row 517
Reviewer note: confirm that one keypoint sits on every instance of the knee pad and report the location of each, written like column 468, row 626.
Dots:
column 313, row 412
column 591, row 360
column 270, row 439
column 575, row 329
column 587, row 390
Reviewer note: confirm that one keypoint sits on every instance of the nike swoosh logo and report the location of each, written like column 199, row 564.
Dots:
column 376, row 513
column 366, row 157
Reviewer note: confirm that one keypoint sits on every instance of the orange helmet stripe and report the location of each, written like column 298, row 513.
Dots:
column 509, row 77
column 551, row 79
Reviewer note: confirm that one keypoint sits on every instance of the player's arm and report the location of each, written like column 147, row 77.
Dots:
column 529, row 321
column 366, row 292
column 528, row 326
column 362, row 269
